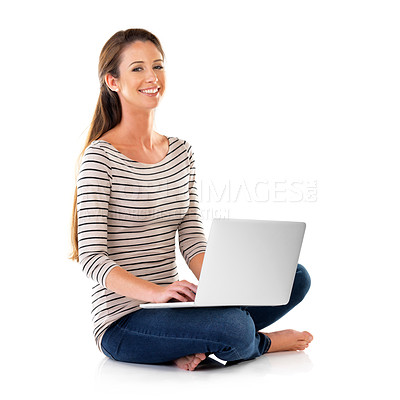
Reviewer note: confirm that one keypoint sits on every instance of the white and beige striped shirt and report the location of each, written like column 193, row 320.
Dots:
column 128, row 215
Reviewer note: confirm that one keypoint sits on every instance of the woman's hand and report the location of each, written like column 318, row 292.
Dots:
column 179, row 290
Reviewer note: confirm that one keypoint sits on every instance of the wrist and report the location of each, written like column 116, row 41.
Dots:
column 155, row 290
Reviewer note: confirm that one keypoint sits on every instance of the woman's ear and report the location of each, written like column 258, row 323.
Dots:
column 111, row 82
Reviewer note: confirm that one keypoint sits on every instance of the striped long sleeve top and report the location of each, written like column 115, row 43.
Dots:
column 128, row 215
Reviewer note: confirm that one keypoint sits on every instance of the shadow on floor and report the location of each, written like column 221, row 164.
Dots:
column 284, row 363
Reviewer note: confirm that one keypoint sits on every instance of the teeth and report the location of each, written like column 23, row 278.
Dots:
column 150, row 90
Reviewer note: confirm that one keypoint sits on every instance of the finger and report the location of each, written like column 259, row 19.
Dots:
column 190, row 291
column 189, row 285
column 187, row 293
column 177, row 296
column 180, row 295
column 186, row 297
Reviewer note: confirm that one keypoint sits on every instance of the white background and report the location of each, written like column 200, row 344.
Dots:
column 292, row 94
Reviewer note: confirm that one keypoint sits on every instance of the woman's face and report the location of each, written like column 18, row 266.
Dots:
column 142, row 78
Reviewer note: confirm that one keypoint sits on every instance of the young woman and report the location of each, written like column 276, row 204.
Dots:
column 135, row 189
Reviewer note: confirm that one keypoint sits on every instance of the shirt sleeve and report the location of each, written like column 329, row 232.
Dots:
column 93, row 195
column 192, row 240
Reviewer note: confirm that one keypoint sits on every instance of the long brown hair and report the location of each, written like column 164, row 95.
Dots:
column 108, row 110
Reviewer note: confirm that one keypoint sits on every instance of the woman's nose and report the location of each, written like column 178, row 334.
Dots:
column 151, row 76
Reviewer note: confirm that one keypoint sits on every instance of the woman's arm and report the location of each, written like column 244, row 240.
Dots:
column 196, row 263
column 192, row 240
column 126, row 284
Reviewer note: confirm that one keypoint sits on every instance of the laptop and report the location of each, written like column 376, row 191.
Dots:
column 247, row 263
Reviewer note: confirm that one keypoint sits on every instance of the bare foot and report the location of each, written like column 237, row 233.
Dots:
column 288, row 340
column 189, row 363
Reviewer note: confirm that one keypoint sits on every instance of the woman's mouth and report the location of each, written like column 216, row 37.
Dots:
column 150, row 91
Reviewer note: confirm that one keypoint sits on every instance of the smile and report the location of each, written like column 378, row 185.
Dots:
column 149, row 91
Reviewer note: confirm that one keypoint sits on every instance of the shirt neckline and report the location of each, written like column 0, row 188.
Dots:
column 138, row 162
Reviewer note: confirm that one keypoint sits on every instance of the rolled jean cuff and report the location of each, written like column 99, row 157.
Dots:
column 268, row 340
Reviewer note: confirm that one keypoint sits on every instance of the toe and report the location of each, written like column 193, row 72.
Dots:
column 185, row 362
column 201, row 356
column 197, row 359
column 301, row 345
column 192, row 366
column 309, row 336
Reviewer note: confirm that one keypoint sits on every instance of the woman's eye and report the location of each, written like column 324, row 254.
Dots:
column 137, row 69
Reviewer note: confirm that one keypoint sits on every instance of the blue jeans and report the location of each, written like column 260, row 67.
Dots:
column 158, row 336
